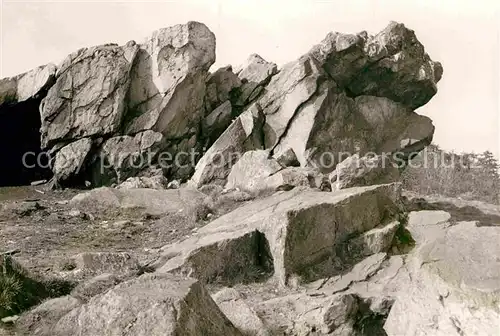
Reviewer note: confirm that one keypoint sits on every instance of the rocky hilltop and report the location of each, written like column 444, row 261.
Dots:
column 248, row 201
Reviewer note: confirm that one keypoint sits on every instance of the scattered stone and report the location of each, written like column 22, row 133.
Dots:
column 158, row 182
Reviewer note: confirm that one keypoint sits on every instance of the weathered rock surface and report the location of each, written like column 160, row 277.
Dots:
column 242, row 135
column 221, row 86
column 391, row 64
column 257, row 172
column 88, row 98
column 170, row 70
column 254, row 75
column 302, row 314
column 28, row 85
column 70, row 159
column 40, row 320
column 106, row 201
column 288, row 235
column 149, row 305
column 125, row 156
column 357, row 171
column 454, row 287
column 96, row 285
column 239, row 313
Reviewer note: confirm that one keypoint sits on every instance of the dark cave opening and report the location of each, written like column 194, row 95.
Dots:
column 22, row 160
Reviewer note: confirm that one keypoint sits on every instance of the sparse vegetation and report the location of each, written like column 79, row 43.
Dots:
column 20, row 290
column 469, row 176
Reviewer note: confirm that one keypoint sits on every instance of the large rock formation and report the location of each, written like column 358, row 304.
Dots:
column 112, row 95
column 348, row 94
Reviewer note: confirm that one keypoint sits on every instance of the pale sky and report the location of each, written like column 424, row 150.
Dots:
column 462, row 34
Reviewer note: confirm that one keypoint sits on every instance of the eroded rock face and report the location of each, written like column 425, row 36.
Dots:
column 454, row 287
column 170, row 70
column 391, row 64
column 88, row 98
column 221, row 87
column 31, row 84
column 149, row 305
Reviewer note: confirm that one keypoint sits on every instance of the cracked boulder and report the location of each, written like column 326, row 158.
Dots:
column 293, row 234
column 170, row 70
column 356, row 171
column 454, row 286
column 126, row 156
column 151, row 304
column 391, row 64
column 324, row 120
column 88, row 98
column 244, row 134
column 254, row 75
column 29, row 85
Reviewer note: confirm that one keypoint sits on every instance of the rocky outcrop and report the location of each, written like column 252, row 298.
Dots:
column 453, row 287
column 113, row 93
column 32, row 84
column 391, row 64
column 350, row 94
column 149, row 305
column 289, row 235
